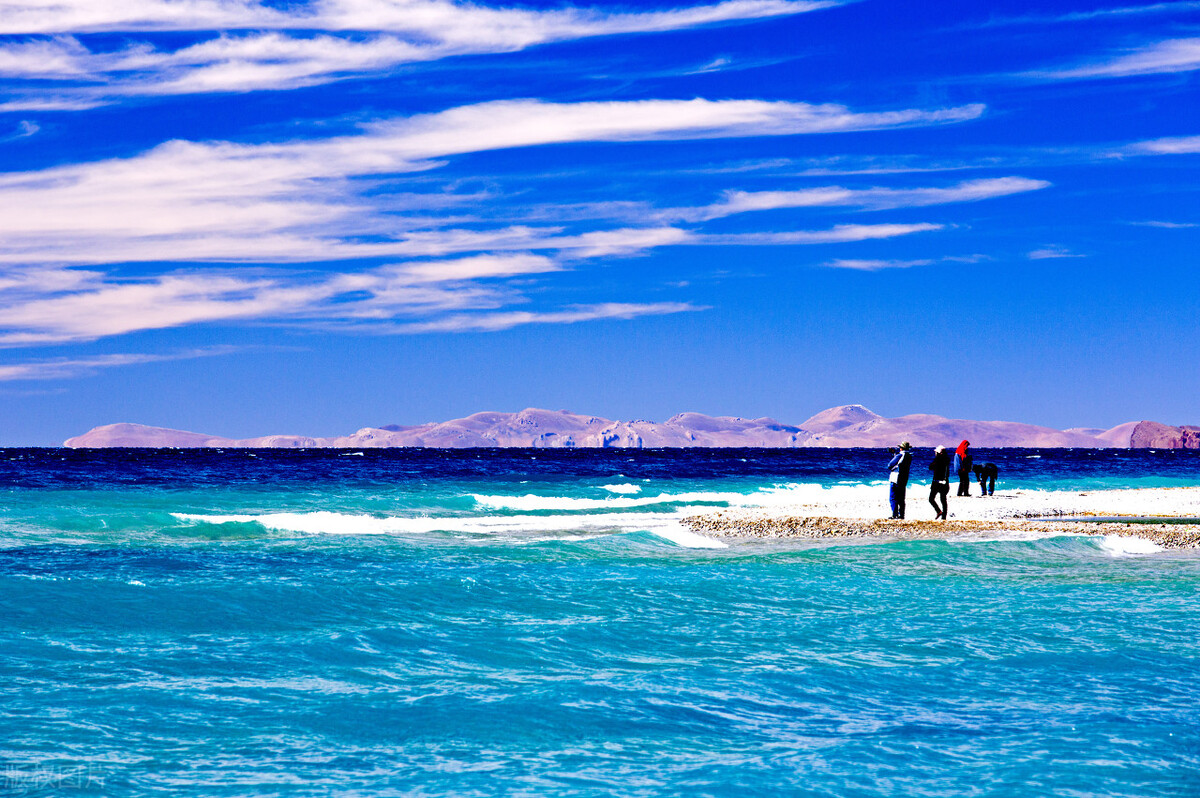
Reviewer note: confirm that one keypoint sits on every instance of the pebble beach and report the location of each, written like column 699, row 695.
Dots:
column 1158, row 515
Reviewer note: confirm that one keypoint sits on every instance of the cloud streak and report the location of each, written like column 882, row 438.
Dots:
column 305, row 44
column 871, row 198
column 63, row 368
column 1162, row 57
column 336, row 199
column 1173, row 145
column 839, row 234
column 494, row 322
column 301, row 201
column 433, row 19
column 1052, row 253
column 1177, row 7
column 78, row 306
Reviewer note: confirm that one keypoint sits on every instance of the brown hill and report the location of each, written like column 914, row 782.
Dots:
column 845, row 426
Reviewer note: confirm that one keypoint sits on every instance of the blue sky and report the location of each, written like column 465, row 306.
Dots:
column 244, row 218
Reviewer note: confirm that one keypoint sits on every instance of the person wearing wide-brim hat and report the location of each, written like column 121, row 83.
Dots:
column 898, row 478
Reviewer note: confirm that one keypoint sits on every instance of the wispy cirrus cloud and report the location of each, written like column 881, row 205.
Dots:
column 736, row 202
column 62, row 368
column 880, row 264
column 305, row 44
column 434, row 19
column 869, row 198
column 1095, row 14
column 450, row 296
column 1171, row 145
column 506, row 320
column 78, row 306
column 1161, row 57
column 302, row 201
column 838, row 234
column 320, row 200
column 874, row 265
column 1052, row 253
column 54, row 305
column 24, row 130
column 1166, row 225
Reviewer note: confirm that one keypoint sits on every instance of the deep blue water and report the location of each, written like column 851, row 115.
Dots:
column 529, row 622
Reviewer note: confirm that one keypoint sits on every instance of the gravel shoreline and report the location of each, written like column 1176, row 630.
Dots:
column 742, row 526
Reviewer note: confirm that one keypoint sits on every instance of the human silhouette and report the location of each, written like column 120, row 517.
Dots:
column 940, row 487
column 898, row 478
column 962, row 467
column 986, row 474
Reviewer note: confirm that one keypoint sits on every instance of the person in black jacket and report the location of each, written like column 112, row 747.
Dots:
column 941, row 482
column 986, row 474
column 898, row 478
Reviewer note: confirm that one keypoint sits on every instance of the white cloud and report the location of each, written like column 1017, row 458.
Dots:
column 1166, row 225
column 875, row 265
column 1178, row 7
column 432, row 19
column 24, row 130
column 1171, row 55
column 61, row 368
column 48, row 103
column 185, row 201
column 871, row 198
column 65, row 305
column 1051, row 252
column 1176, row 145
column 403, row 298
column 493, row 322
column 304, row 202
column 839, row 234
column 328, row 43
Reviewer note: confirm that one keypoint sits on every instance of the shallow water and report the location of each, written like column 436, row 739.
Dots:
column 409, row 623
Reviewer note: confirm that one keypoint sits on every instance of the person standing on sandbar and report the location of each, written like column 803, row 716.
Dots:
column 941, row 482
column 962, row 467
column 898, row 478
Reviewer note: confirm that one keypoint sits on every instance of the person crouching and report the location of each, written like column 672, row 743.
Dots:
column 986, row 474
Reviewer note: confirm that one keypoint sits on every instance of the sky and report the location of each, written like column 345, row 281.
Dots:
column 243, row 217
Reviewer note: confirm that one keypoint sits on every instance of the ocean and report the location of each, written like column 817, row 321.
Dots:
column 537, row 622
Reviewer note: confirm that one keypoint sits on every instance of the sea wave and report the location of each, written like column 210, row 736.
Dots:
column 624, row 488
column 332, row 523
column 783, row 495
column 533, row 502
column 1123, row 546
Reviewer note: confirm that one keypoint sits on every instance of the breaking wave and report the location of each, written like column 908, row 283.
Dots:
column 332, row 523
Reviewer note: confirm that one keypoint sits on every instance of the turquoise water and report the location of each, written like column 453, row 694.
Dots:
column 206, row 624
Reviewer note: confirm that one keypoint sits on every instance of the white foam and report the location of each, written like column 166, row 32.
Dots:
column 330, row 523
column 1006, row 536
column 559, row 539
column 530, row 501
column 625, row 488
column 677, row 534
column 1122, row 546
column 870, row 501
column 321, row 523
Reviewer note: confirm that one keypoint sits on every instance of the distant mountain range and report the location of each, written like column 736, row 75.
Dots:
column 846, row 426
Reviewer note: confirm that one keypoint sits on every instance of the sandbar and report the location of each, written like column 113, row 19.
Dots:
column 860, row 511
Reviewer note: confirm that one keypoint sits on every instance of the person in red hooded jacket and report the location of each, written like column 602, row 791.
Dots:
column 962, row 467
